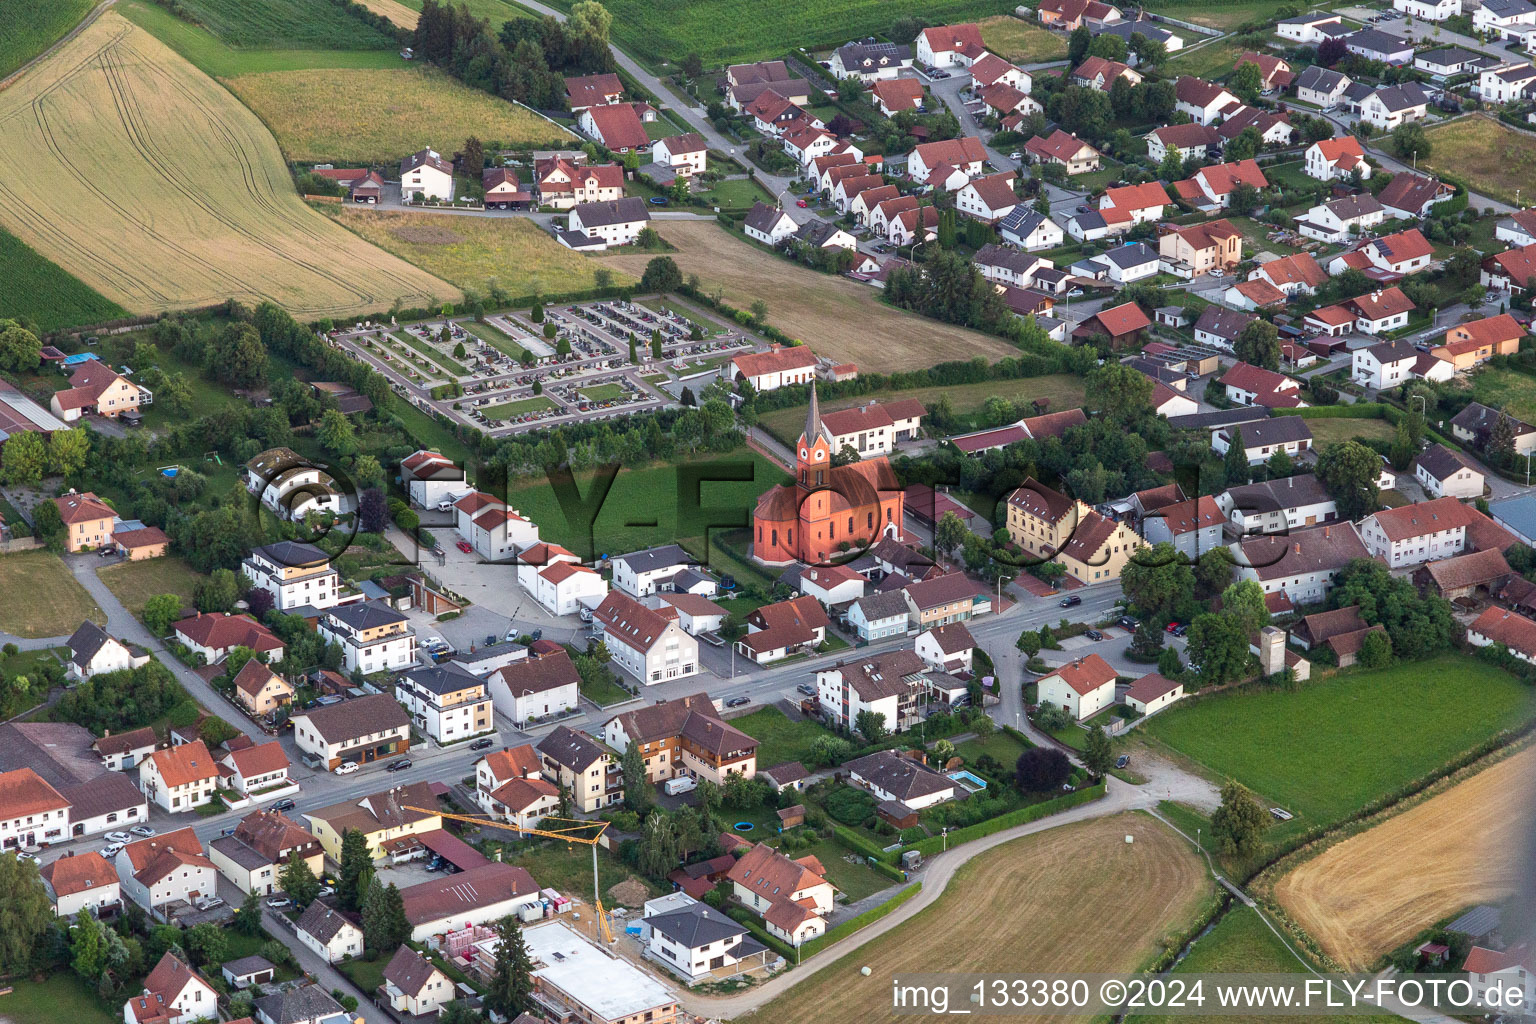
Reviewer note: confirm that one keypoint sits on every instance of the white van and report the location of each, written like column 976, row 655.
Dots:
column 680, row 784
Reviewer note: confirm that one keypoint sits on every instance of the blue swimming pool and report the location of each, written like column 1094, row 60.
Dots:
column 972, row 783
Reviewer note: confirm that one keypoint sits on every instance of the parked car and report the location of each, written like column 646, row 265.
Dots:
column 1122, row 760
column 24, row 855
column 118, row 837
column 1182, row 630
column 111, row 850
column 209, row 902
column 482, row 744
column 144, row 831
column 1071, row 601
column 1129, row 622
column 398, row 765
column 1171, row 627
column 327, row 890
column 283, row 805
column 1015, row 155
column 279, row 902
column 347, row 767
column 737, row 702
column 807, row 689
column 1094, row 634
column 463, row 546
column 802, row 204
column 434, row 643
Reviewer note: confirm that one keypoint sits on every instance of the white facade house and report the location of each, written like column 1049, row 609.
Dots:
column 616, row 223
column 1424, row 532
column 769, row 224
column 1428, row 10
column 1082, row 688
column 492, row 528
column 373, row 637
column 1278, row 506
column 535, row 689
column 432, row 479
column 1309, row 29
column 362, row 729
column 179, row 778
column 174, row 993
column 694, row 940
column 81, row 881
column 428, row 173
column 1321, row 87
column 640, row 573
column 1387, row 108
column 1504, row 19
column 1337, row 220
column 685, row 154
column 328, row 933
column 1385, row 365
column 1303, row 564
column 1445, row 473
column 833, row 584
column 1502, row 972
column 880, row 615
column 648, row 646
column 564, row 588
column 295, row 574
column 32, row 812
column 92, row 651
column 946, row 648
column 1506, row 85
column 165, row 868
column 447, row 702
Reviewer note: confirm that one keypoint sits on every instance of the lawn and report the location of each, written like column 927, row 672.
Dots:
column 1021, row 42
column 1064, row 391
column 493, row 337
column 1209, row 60
column 1216, row 13
column 1256, row 236
column 852, row 878
column 494, row 11
column 1490, row 157
column 1004, row 748
column 780, row 738
column 33, row 286
column 474, row 252
column 286, row 23
column 507, row 410
column 736, row 194
column 567, row 868
column 643, row 507
column 367, row 975
column 601, row 392
column 372, row 116
column 26, row 30
column 1075, row 898
column 603, row 692
column 658, row 32
column 429, row 432
column 1513, row 392
column 62, row 997
column 1360, row 735
column 96, row 130
column 55, row 602
column 1327, row 430
column 27, row 662
column 134, row 583
column 218, row 58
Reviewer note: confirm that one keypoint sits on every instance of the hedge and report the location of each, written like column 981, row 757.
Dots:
column 876, row 856
column 754, row 925
column 1034, row 812
column 864, row 920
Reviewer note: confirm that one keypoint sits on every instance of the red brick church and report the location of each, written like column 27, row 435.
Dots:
column 829, row 509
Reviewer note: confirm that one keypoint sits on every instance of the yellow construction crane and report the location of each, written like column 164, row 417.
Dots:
column 569, row 829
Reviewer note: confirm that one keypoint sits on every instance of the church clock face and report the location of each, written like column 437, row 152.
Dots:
column 820, row 455
column 803, row 453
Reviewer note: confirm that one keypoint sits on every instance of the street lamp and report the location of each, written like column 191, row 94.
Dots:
column 999, row 600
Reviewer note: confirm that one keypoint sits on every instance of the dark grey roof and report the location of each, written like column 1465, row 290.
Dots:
column 243, row 854
column 618, row 211
column 1394, row 351
column 1442, row 463
column 1224, row 323
column 444, row 678
column 58, row 751
column 248, row 965
column 1022, row 220
column 1479, row 419
column 1445, row 56
column 763, row 217
column 1156, row 370
column 1507, row 8
column 655, row 558
column 1125, row 29
column 696, row 925
column 1403, row 97
column 293, row 554
column 888, row 605
column 1273, row 495
column 107, row 792
column 1478, row 921
column 295, row 1005
column 902, row 777
column 1220, row 418
column 362, row 716
column 1362, row 204
column 784, row 774
column 816, row 232
column 994, row 255
column 489, row 653
column 85, row 642
column 1090, row 220
column 1131, row 255
column 570, row 749
column 1377, row 41
column 1273, row 431
column 1357, row 91
column 366, row 615
column 1319, row 78
column 321, row 921
column 872, row 56
column 689, row 578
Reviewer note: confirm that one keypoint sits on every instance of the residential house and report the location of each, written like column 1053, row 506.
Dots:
column 32, row 812
column 261, row 768
column 1374, row 44
column 792, row 896
column 648, row 645
column 92, row 652
column 768, row 224
column 965, row 155
column 776, row 631
column 870, row 61
column 179, row 778
column 1100, row 75
column 990, row 70
column 684, row 738
column 1389, row 107
column 446, row 702
column 391, row 822
column 1442, row 62
column 1261, row 440
column 774, row 114
column 494, row 530
column 1510, row 270
column 1253, row 385
column 1220, row 328
column 535, row 689
column 373, row 637
column 140, row 543
column 1428, row 10
column 1193, row 527
column 615, row 125
column 614, row 223
column 1167, row 402
column 1475, row 423
column 1396, row 255
column 1213, row 186
column 1515, row 632
column 911, row 224
column 1001, row 264
column 212, row 635
column 1338, row 219
column 1446, row 473
column 949, row 46
column 893, row 685
column 695, row 940
column 1190, row 141
column 1472, row 344
column 780, row 366
column 510, row 787
column 583, row 91
column 1130, row 205
column 1201, row 100
column 562, row 183
column 96, row 388
column 83, row 881
column 1309, row 29
column 1274, row 128
column 1124, row 325
column 1278, row 506
column 939, row 600
column 1063, row 149
column 1385, row 365
column 1506, row 85
column 1191, row 251
column 892, row 779
column 879, row 615
column 1068, row 15
column 1255, row 294
column 413, row 987
column 1373, row 313
column 684, row 155
column 259, row 690
column 262, row 844
column 875, row 428
column 1519, row 229
column 173, row 993
column 1131, row 262
column 1030, row 230
column 1336, row 158
column 1504, row 19
column 1411, row 196
column 306, row 1004
column 806, row 142
column 893, row 95
column 1041, row 520
column 363, row 729
column 1302, row 564
column 988, row 198
column 1081, row 688
column 832, row 585
column 1421, row 532
column 585, row 769
column 1274, row 72
column 297, row 575
column 87, row 520
column 946, row 648
column 746, row 82
column 1151, row 693
column 328, row 933
column 1321, row 87
column 427, row 175
column 431, row 478
column 165, row 869
column 125, row 750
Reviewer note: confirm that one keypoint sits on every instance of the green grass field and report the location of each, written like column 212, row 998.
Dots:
column 737, row 194
column 134, row 583
column 601, row 392
column 507, row 410
column 33, row 286
column 1210, row 61
column 1217, row 14
column 1334, row 746
column 1513, row 392
column 642, row 508
column 781, row 738
column 568, row 868
column 1328, row 430
column 1020, row 41
column 56, row 603
column 999, row 744
column 658, row 32
column 221, row 60
column 26, row 30
column 286, row 24
column 62, row 997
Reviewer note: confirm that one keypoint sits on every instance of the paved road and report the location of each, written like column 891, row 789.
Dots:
column 1441, row 36
column 328, row 977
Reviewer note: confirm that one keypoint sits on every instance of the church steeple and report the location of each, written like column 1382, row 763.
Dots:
column 812, row 419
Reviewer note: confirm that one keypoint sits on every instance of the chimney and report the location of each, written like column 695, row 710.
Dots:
column 1327, row 532
column 1298, row 547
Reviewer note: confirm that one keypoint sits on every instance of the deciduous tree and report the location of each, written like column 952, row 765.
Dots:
column 1239, row 823
column 1041, row 769
column 1349, row 470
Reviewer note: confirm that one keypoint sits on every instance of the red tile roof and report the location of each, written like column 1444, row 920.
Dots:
column 776, row 360
column 1385, row 303
column 79, row 873
column 1125, row 318
column 899, row 93
column 619, row 126
column 220, row 631
column 1060, row 146
column 957, row 152
column 1301, row 268
column 964, row 38
column 1086, row 675
column 24, row 793
column 1221, row 179
column 185, row 764
column 82, row 508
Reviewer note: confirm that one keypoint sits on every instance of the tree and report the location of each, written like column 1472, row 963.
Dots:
column 1213, row 572
column 1236, row 461
column 1279, row 464
column 1411, row 141
column 1247, row 81
column 1244, row 602
column 1110, row 48
column 87, row 948
column 207, row 944
column 335, row 433
column 248, row 917
column 759, row 310
column 950, row 532
column 159, row 612
column 26, row 459
column 1219, row 645
column 384, row 923
column 871, row 724
column 693, row 65
column 474, row 158
column 1244, row 198
column 1245, row 146
column 373, row 510
column 1259, row 344
column 1041, row 769
column 658, row 844
column 1331, row 50
column 238, row 357
column 1169, row 663
column 299, row 882
column 511, row 987
column 639, row 796
column 1239, row 823
column 632, row 353
column 827, row 751
column 19, row 347
column 1077, row 45
column 1029, row 643
column 1156, row 578
column 661, row 275
column 68, row 450
column 1349, row 470
column 1147, row 640
column 1376, row 650
column 1098, row 756
column 367, row 470
column 355, row 868
column 656, row 351
column 1118, row 391
column 25, row 914
column 217, row 593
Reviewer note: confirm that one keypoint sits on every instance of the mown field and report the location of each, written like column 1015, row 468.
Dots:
column 1493, row 158
column 1223, row 14
column 1327, row 430
column 134, row 583
column 26, row 30
column 494, row 11
column 218, row 58
column 1076, row 898
column 1509, row 390
column 642, row 508
column 396, row 12
column 286, row 24
column 725, row 31
column 132, row 171
column 55, row 604
column 32, row 286
column 1376, row 890
column 1020, row 41
column 373, row 116
column 472, row 252
column 1333, row 746
column 817, row 308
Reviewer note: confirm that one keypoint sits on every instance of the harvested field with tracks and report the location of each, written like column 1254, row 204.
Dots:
column 834, row 315
column 1375, row 890
column 138, row 174
column 1076, row 898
